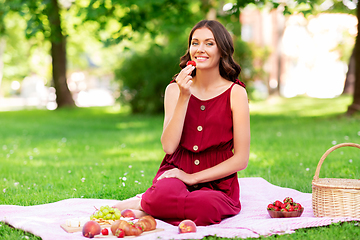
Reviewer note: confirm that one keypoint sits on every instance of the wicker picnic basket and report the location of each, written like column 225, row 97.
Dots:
column 335, row 197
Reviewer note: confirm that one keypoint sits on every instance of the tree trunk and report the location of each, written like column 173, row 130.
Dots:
column 2, row 50
column 58, row 53
column 355, row 106
column 350, row 75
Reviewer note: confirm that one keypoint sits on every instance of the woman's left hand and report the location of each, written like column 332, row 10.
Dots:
column 180, row 174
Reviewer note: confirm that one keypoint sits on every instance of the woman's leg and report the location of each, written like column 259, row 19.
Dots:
column 170, row 200
column 207, row 206
column 165, row 199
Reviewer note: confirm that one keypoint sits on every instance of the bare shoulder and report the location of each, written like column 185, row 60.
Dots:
column 171, row 92
column 238, row 93
column 172, row 88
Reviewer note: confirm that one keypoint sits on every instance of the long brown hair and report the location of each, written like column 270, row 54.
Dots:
column 228, row 68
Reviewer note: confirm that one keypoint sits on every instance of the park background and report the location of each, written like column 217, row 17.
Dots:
column 99, row 53
column 82, row 82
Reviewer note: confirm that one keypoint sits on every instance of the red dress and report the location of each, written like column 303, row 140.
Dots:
column 206, row 141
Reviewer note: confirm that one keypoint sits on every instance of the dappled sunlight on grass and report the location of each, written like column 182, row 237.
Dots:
column 129, row 125
column 301, row 106
column 289, row 136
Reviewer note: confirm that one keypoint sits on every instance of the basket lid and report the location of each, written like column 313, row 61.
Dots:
column 337, row 183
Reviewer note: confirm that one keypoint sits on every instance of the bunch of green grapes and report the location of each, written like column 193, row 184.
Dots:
column 107, row 213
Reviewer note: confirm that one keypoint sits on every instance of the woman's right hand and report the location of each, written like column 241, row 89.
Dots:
column 184, row 80
column 176, row 101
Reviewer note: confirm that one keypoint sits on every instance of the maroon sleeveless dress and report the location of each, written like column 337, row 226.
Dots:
column 206, row 141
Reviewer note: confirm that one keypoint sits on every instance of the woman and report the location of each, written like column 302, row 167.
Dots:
column 206, row 135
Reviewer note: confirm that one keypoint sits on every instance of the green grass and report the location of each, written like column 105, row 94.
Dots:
column 47, row 156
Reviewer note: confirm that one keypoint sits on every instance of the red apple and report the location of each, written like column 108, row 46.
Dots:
column 187, row 226
column 127, row 213
column 90, row 229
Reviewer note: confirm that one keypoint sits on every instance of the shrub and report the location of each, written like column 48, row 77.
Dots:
column 144, row 77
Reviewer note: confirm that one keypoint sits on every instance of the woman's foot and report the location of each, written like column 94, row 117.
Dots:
column 139, row 213
column 133, row 204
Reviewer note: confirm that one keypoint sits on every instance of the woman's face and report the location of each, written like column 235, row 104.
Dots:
column 203, row 49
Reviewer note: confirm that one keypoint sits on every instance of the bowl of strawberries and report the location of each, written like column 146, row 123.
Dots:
column 285, row 209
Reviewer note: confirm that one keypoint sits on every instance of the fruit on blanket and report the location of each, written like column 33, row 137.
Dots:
column 288, row 204
column 127, row 213
column 271, row 207
column 191, row 63
column 90, row 229
column 277, row 203
column 297, row 206
column 114, row 226
column 187, row 226
column 288, row 208
column 146, row 223
column 105, row 231
column 288, row 200
column 129, row 228
column 119, row 233
column 106, row 213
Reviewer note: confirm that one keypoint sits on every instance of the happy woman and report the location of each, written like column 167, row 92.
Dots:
column 206, row 135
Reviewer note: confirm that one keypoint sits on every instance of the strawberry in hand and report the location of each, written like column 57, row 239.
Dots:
column 191, row 63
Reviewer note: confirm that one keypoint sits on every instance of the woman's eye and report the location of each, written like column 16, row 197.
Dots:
column 210, row 43
column 194, row 43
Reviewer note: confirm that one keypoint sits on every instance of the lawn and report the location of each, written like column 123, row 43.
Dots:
column 47, row 156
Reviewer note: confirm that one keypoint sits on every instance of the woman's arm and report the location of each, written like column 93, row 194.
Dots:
column 177, row 96
column 239, row 161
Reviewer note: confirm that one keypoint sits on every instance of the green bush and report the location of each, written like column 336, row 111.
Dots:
column 244, row 56
column 144, row 77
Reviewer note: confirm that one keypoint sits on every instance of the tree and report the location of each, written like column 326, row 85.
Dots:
column 355, row 106
column 43, row 17
column 58, row 53
column 3, row 11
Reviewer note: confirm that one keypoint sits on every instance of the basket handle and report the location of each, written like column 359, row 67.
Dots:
column 317, row 172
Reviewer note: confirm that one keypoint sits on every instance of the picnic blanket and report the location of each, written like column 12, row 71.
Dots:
column 253, row 220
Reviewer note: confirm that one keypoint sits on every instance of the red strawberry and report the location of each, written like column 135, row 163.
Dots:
column 288, row 200
column 277, row 203
column 191, row 63
column 277, row 208
column 283, row 206
column 119, row 233
column 284, row 210
column 270, row 207
column 290, row 208
column 105, row 231
column 297, row 206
